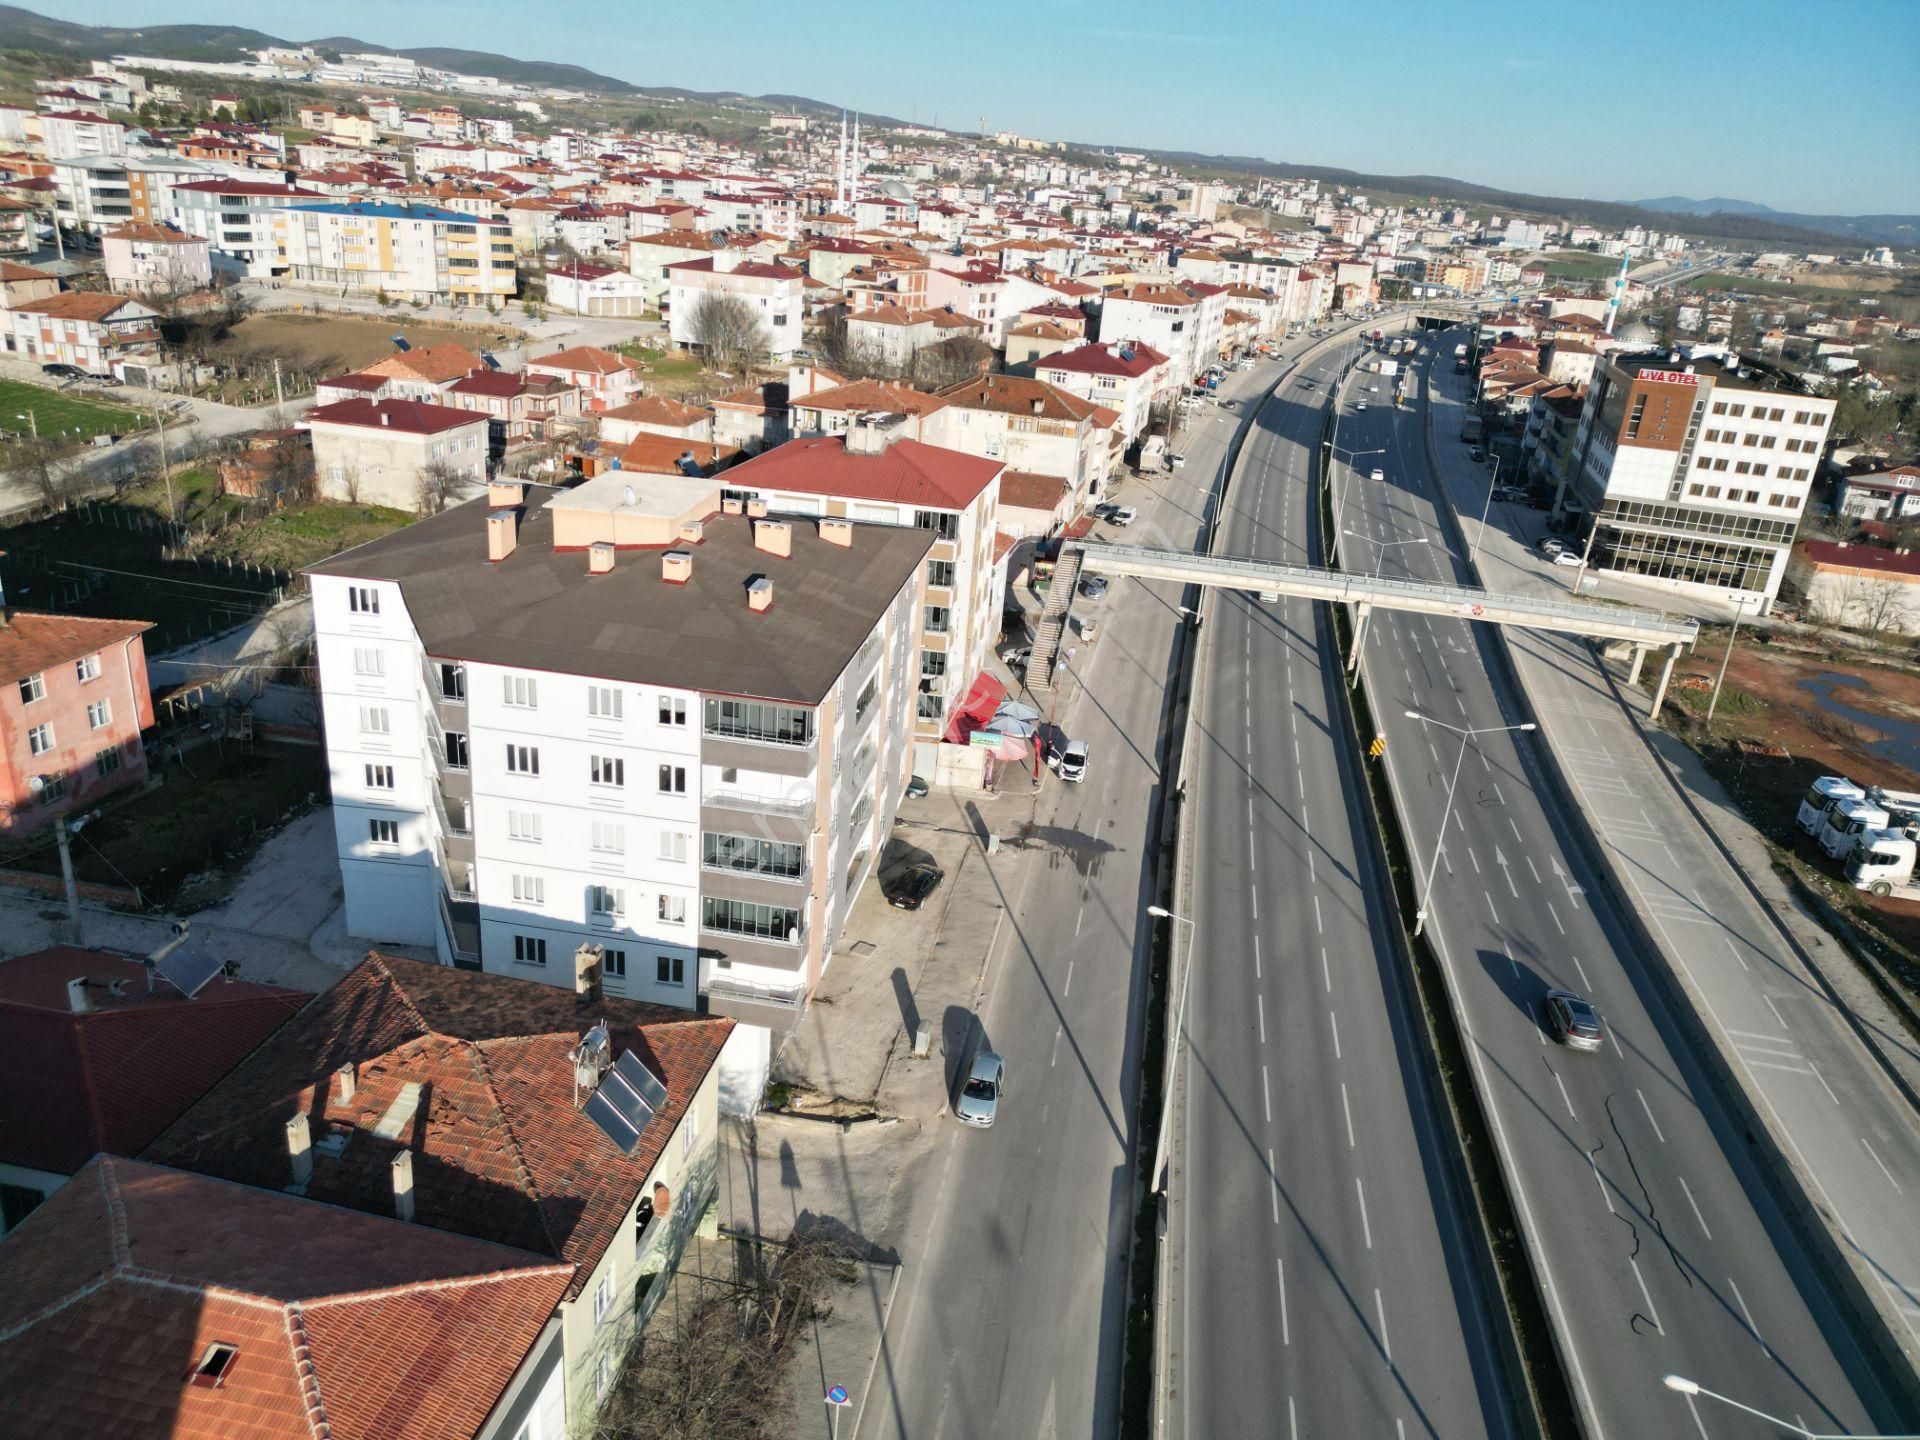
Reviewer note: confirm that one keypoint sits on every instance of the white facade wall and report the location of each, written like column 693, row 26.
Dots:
column 778, row 303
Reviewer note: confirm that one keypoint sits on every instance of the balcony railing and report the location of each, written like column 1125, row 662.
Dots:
column 790, row 996
column 799, row 807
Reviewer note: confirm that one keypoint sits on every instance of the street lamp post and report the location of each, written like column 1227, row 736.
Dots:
column 1681, row 1385
column 1485, row 510
column 1173, row 1047
column 1380, row 547
column 1466, row 736
column 1739, row 609
column 1340, row 491
column 37, row 786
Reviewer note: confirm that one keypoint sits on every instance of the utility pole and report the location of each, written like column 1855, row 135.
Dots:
column 279, row 393
column 66, row 878
column 166, row 470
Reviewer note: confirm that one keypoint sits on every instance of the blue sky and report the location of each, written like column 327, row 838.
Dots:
column 1798, row 106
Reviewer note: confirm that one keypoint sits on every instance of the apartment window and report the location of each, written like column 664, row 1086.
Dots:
column 672, row 711
column 86, row 668
column 755, row 856
column 523, row 759
column 1695, row 489
column 670, row 970
column 673, row 779
column 453, row 682
column 933, row 662
column 689, row 1127
column 529, row 950
column 673, row 846
column 937, row 617
column 603, row 702
column 374, row 720
column 457, row 757
column 672, row 910
column 1803, row 417
column 947, row 527
column 521, row 692
column 529, row 890
column 54, row 789
column 33, row 688
column 602, row 1374
column 752, row 720
column 99, row 715
column 379, row 777
column 1743, row 468
column 1776, row 414
column 940, row 573
column 609, row 839
column 1736, row 411
column 1719, row 407
column 931, row 707
column 603, row 1299
column 613, row 964
column 107, row 761
column 743, row 917
column 1760, row 471
column 40, row 739
column 363, row 600
column 368, row 661
column 608, row 770
column 384, row 832
column 604, row 901
column 1766, row 442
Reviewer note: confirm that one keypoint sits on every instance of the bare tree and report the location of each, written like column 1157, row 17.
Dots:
column 934, row 367
column 42, row 462
column 728, row 331
column 440, row 485
column 348, row 485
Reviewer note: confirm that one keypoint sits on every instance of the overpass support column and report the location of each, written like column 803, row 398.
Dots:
column 1360, row 612
column 1639, row 659
column 1666, row 674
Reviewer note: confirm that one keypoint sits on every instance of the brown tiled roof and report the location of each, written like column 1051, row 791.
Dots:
column 1026, row 490
column 147, row 231
column 116, row 1076
column 30, row 641
column 590, row 358
column 113, row 1290
column 89, row 305
column 500, row 1153
column 410, row 417
column 872, row 395
column 434, row 364
column 1017, row 395
column 906, row 472
column 10, row 270
column 661, row 454
column 658, row 410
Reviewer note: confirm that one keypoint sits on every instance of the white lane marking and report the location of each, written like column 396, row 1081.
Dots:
column 1583, row 972
column 1646, row 1295
column 1380, row 1312
column 1326, row 974
column 1273, row 1179
column 1261, row 1002
column 1694, row 1206
column 1517, row 836
column 1266, row 1099
column 1490, row 910
column 1434, row 753
column 1563, row 1094
column 1293, row 1423
column 1080, row 916
column 1531, row 866
column 1694, row 1411
column 1776, row 1012
column 1254, row 895
column 1735, row 950
column 1823, row 1082
column 1256, row 957
column 1474, row 858
column 1312, row 875
column 1649, row 1109
column 1317, row 923
column 1496, row 793
column 1883, row 1167
column 1366, row 1226
column 1067, row 989
column 1347, row 1110
column 1556, row 918
column 1751, row 1327
column 1334, row 1021
column 1056, row 1047
column 1286, row 1332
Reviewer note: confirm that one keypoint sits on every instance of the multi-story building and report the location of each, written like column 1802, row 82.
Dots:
column 73, row 701
column 236, row 218
column 98, row 192
column 100, row 333
column 1182, row 323
column 871, row 473
column 774, row 293
column 143, row 258
column 1125, row 377
column 406, row 454
column 631, row 713
column 412, row 252
column 1695, row 472
column 1032, row 428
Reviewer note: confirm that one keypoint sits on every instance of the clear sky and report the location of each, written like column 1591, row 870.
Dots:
column 1802, row 106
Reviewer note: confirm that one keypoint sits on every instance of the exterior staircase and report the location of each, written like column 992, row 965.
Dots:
column 1053, row 622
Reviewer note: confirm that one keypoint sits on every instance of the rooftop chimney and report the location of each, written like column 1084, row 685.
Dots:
column 78, row 1000
column 756, row 507
column 503, row 533
column 1039, row 405
column 773, row 536
column 837, row 532
column 732, row 505
column 693, row 531
column 300, row 1150
column 760, row 594
column 505, row 494
column 403, row 1185
column 676, row 567
column 587, row 960
column 346, row 1079
column 600, row 558
column 385, row 418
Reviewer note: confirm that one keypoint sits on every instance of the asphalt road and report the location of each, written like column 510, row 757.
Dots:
column 1323, row 1279
column 1658, row 1246
column 1013, row 1322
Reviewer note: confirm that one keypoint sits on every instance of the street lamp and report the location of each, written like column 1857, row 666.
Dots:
column 1681, row 1385
column 1739, row 609
column 1380, row 547
column 1446, row 814
column 1173, row 1045
column 1485, row 510
column 1334, row 452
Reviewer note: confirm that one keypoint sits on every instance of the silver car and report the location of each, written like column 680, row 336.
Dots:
column 980, row 1096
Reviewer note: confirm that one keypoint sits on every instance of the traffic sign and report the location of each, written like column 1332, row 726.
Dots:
column 838, row 1396
column 1379, row 746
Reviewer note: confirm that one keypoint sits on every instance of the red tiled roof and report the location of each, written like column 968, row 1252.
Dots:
column 658, row 410
column 1026, row 490
column 1860, row 557
column 1103, row 360
column 590, row 358
column 1017, row 395
column 342, row 1324
column 411, row 417
column 115, row 1077
column 871, row 395
column 434, row 363
column 660, row 454
column 500, row 1152
column 31, row 641
column 906, row 472
column 88, row 305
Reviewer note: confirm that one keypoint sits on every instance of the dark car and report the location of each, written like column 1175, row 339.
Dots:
column 1093, row 587
column 909, row 889
column 1575, row 1023
column 1477, row 453
column 62, row 371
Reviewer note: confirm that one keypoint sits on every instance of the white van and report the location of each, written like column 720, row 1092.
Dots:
column 1827, row 791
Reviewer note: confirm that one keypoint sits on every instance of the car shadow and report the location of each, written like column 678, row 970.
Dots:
column 1522, row 985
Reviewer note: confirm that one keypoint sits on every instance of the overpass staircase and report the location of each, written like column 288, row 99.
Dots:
column 1053, row 620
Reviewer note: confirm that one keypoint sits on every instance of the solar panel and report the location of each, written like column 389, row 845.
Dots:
column 612, row 1123
column 644, row 1082
column 188, row 969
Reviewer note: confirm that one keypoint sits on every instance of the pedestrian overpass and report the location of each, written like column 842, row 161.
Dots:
column 1643, row 629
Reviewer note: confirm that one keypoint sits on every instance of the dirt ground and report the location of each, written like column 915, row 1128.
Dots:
column 334, row 344
column 1788, row 714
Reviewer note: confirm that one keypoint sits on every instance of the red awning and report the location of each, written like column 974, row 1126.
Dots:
column 983, row 698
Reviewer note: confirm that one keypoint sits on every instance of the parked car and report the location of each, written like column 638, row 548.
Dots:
column 1175, row 461
column 1540, row 501
column 1508, row 494
column 1574, row 1022
column 979, row 1101
column 1568, row 557
column 60, row 370
column 1477, row 455
column 1073, row 761
column 1377, row 474
column 1017, row 657
column 1093, row 587
column 1122, row 514
column 909, row 889
column 1549, row 547
column 916, row 788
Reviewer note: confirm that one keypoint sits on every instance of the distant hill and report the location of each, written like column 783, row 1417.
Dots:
column 1718, row 205
column 1898, row 230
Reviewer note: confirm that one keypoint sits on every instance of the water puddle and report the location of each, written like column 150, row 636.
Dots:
column 1899, row 738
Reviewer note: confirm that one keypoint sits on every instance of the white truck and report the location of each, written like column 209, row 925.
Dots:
column 1846, row 822
column 1902, row 806
column 1460, row 352
column 1827, row 791
column 1389, row 367
column 1882, row 865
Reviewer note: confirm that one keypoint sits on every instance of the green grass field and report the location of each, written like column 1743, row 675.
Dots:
column 1580, row 265
column 57, row 413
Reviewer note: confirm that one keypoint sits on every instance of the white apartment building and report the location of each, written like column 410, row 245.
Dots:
column 379, row 452
column 1121, row 376
column 775, row 293
column 412, row 252
column 872, row 474
column 1181, row 322
column 629, row 713
column 236, row 219
column 1695, row 471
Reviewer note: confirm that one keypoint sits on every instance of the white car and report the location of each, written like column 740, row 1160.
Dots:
column 1123, row 515
column 1361, row 406
column 1378, row 475
column 1567, row 557
column 1549, row 547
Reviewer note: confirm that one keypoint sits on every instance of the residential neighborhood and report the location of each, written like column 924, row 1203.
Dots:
column 699, row 762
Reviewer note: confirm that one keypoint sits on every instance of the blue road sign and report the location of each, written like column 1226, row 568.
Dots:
column 837, row 1395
